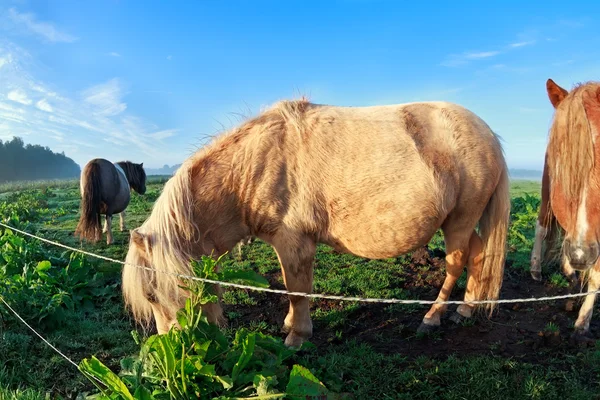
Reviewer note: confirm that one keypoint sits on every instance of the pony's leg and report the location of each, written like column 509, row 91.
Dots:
column 542, row 226
column 457, row 254
column 122, row 221
column 582, row 325
column 569, row 271
column 474, row 267
column 105, row 228
column 239, row 250
column 536, row 254
column 296, row 256
column 164, row 322
column 109, row 236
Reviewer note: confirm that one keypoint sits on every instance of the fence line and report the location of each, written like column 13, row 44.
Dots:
column 303, row 294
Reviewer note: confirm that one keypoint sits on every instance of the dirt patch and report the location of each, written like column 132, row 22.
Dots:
column 526, row 331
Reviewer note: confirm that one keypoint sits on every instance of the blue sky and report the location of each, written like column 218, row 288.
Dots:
column 150, row 81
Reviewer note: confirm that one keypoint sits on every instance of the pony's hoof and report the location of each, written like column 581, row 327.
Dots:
column 581, row 338
column 426, row 329
column 457, row 318
column 536, row 275
column 294, row 340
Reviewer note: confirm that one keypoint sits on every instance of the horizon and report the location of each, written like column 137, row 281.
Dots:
column 151, row 83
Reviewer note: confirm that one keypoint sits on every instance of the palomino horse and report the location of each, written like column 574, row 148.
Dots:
column 571, row 192
column 105, row 189
column 375, row 182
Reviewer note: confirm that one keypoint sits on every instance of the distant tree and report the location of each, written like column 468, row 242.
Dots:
column 20, row 162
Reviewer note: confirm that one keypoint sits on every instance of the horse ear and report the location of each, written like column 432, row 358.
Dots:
column 138, row 238
column 591, row 104
column 555, row 93
column 142, row 164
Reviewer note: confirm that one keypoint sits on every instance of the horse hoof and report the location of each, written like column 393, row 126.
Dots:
column 572, row 278
column 294, row 340
column 582, row 338
column 426, row 329
column 536, row 275
column 457, row 318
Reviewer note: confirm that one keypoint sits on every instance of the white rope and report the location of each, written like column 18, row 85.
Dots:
column 38, row 335
column 47, row 342
column 302, row 294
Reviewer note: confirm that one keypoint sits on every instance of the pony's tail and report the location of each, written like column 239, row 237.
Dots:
column 493, row 228
column 89, row 226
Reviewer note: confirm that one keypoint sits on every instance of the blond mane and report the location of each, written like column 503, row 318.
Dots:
column 174, row 233
column 570, row 146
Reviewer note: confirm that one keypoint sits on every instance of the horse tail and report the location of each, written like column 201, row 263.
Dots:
column 89, row 226
column 493, row 228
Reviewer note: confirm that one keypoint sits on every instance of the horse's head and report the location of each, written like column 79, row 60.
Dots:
column 138, row 179
column 573, row 147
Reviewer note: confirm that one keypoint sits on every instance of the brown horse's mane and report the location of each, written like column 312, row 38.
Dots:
column 570, row 146
column 134, row 172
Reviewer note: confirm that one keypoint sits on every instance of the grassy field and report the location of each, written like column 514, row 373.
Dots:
column 369, row 351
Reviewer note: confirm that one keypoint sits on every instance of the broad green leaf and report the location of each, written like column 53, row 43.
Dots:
column 247, row 352
column 95, row 368
column 303, row 383
column 251, row 278
column 141, row 393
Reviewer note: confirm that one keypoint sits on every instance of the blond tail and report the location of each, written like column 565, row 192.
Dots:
column 493, row 228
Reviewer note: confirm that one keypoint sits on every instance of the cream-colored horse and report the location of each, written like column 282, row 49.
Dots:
column 376, row 182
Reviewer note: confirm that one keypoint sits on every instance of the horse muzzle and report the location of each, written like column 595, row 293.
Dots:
column 581, row 256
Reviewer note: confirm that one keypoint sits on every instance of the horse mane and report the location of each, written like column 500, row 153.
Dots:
column 172, row 220
column 135, row 174
column 570, row 146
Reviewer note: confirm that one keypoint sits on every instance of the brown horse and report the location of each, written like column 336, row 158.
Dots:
column 571, row 192
column 105, row 189
column 376, row 182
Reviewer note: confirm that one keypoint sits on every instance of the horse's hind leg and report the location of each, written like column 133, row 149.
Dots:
column 122, row 220
column 474, row 267
column 296, row 256
column 457, row 254
column 109, row 236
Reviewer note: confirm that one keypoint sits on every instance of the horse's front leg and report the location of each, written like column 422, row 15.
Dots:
column 122, row 221
column 582, row 325
column 296, row 256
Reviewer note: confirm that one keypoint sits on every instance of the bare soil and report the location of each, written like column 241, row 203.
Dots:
column 516, row 330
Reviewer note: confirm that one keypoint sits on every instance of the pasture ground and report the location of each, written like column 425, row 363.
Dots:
column 369, row 350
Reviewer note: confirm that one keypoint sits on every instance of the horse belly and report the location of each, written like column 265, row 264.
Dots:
column 390, row 222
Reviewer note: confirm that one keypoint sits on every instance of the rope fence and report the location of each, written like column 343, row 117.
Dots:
column 303, row 294
column 254, row 288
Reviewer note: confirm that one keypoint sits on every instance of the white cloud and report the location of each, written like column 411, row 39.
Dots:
column 522, row 44
column 114, row 54
column 44, row 106
column 167, row 133
column 19, row 96
column 457, row 60
column 106, row 98
column 92, row 123
column 45, row 30
column 483, row 54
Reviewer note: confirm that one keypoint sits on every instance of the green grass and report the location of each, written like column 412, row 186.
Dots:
column 370, row 365
column 520, row 187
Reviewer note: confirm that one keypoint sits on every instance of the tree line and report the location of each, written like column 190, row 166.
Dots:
column 20, row 162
